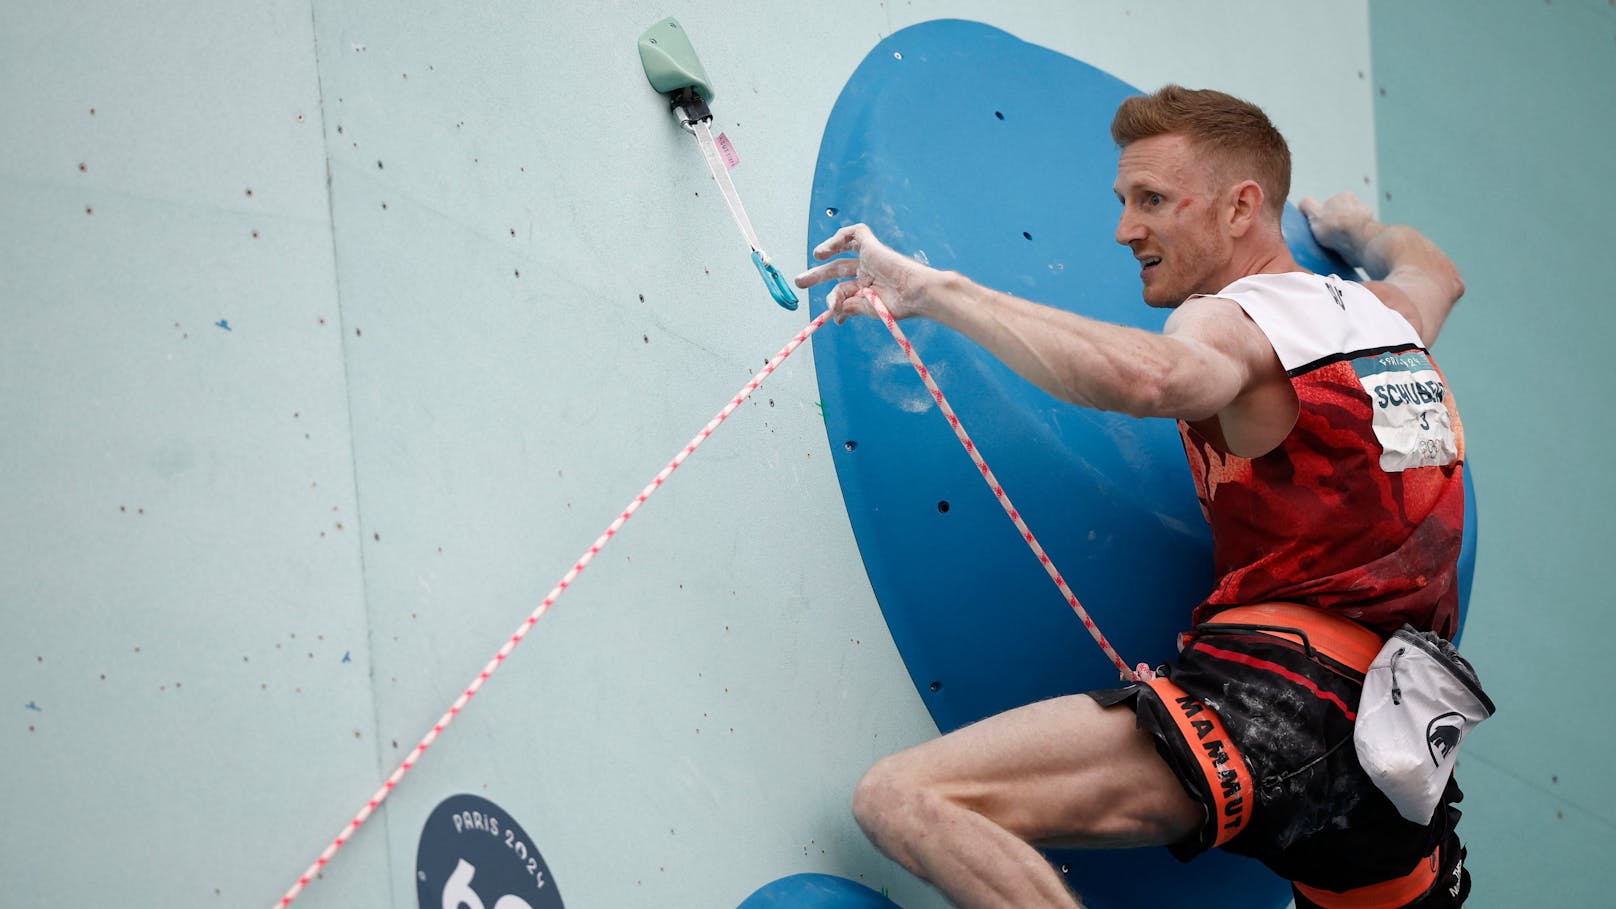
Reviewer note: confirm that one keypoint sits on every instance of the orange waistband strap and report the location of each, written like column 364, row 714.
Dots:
column 1337, row 637
column 1228, row 778
column 1392, row 894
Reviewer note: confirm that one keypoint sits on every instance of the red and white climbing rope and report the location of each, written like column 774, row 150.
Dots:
column 1143, row 671
column 594, row 549
column 543, row 607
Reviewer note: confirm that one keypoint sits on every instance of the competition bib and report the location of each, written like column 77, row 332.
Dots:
column 1410, row 411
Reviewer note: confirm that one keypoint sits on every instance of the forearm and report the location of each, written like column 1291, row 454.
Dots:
column 1084, row 361
column 1385, row 250
column 1403, row 257
column 1420, row 280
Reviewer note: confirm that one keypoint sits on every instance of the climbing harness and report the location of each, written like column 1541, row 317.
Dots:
column 673, row 69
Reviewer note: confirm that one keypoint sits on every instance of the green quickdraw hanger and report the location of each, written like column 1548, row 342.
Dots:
column 673, row 69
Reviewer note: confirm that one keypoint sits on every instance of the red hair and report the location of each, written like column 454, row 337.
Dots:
column 1236, row 138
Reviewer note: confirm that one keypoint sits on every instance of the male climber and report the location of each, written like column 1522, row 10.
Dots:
column 1327, row 454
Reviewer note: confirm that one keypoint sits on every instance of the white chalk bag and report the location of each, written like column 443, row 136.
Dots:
column 1420, row 699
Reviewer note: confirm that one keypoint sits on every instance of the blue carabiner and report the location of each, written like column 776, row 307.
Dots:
column 776, row 282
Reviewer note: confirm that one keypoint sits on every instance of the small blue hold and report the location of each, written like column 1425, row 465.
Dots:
column 224, row 324
column 816, row 891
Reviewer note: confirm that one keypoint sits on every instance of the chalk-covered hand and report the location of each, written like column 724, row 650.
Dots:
column 899, row 280
column 1342, row 222
column 1406, row 270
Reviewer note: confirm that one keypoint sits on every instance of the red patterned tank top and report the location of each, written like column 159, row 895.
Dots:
column 1360, row 509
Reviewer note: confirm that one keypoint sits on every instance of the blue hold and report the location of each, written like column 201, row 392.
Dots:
column 972, row 150
column 816, row 891
column 1307, row 251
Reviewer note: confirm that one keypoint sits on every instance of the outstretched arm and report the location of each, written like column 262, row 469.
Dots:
column 1203, row 361
column 1406, row 270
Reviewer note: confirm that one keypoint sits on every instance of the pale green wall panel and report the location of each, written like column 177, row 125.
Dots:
column 512, row 392
column 1496, row 123
column 176, row 595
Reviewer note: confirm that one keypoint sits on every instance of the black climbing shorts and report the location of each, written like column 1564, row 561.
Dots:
column 1257, row 725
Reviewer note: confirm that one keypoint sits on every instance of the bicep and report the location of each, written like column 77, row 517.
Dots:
column 1220, row 355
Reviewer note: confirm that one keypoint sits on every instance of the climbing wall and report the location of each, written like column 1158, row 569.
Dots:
column 1515, row 101
column 335, row 332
